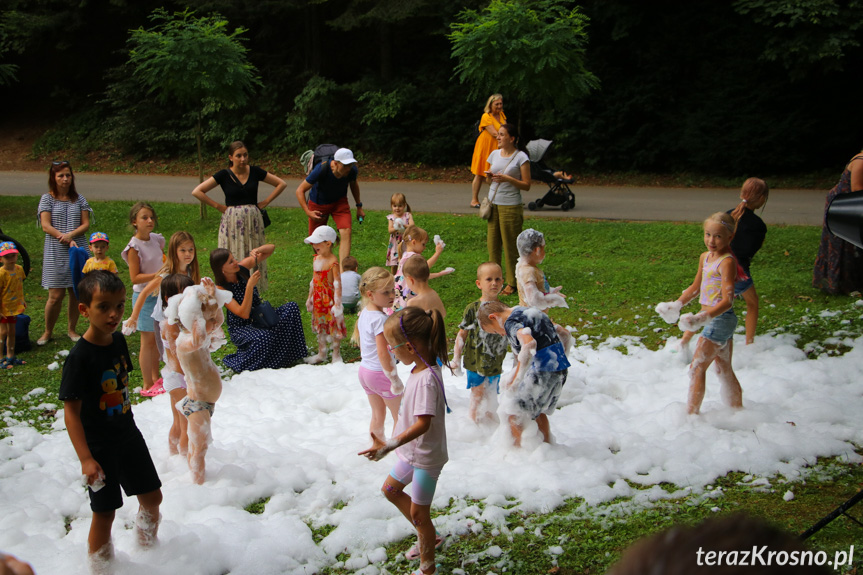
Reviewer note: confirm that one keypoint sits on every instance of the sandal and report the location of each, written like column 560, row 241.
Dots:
column 508, row 290
column 414, row 552
column 9, row 362
column 4, row 363
column 41, row 342
column 156, row 389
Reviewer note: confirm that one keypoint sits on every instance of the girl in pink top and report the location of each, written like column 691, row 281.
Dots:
column 714, row 283
column 417, row 337
column 144, row 255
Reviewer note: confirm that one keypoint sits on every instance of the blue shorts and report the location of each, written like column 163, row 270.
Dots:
column 424, row 480
column 721, row 328
column 475, row 380
column 145, row 318
column 741, row 286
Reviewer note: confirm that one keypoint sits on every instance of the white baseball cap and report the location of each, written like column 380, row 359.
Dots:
column 322, row 234
column 344, row 156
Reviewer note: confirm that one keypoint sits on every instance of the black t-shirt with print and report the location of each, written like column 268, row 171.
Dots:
column 98, row 375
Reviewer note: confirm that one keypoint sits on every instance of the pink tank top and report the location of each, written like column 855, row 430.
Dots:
column 711, row 282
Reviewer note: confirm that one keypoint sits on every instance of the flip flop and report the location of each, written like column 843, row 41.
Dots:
column 41, row 342
column 475, row 206
column 414, row 552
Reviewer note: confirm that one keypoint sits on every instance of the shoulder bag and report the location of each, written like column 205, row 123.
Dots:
column 485, row 205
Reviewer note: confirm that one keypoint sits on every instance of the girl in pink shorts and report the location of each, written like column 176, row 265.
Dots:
column 377, row 371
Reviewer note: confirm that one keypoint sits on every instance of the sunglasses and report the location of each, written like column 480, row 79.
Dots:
column 59, row 163
column 392, row 348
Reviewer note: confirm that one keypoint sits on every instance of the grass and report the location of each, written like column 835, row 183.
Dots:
column 613, row 272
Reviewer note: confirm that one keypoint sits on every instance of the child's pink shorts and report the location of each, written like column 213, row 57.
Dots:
column 376, row 383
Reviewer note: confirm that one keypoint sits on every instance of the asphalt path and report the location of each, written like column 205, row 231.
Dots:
column 786, row 206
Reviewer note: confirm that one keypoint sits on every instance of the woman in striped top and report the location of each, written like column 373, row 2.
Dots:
column 64, row 215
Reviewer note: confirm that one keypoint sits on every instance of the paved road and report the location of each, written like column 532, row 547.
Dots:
column 803, row 207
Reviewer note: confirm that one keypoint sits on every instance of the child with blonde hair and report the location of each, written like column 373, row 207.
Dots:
column 483, row 351
column 325, row 295
column 714, row 286
column 397, row 222
column 144, row 256
column 378, row 375
column 100, row 259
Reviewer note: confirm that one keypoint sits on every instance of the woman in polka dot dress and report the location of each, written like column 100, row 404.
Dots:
column 257, row 348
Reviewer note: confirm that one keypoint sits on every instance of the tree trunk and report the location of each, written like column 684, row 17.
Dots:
column 198, row 137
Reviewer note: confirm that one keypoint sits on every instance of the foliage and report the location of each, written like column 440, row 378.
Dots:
column 193, row 63
column 533, row 50
column 803, row 34
column 318, row 115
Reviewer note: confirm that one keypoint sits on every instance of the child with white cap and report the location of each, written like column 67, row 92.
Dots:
column 325, row 295
column 11, row 301
column 100, row 259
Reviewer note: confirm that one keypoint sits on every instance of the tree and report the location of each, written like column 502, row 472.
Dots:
column 531, row 49
column 803, row 34
column 194, row 64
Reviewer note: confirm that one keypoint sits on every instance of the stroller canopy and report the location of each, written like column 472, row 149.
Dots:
column 536, row 149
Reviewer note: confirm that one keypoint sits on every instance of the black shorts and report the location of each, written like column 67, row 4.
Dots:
column 127, row 463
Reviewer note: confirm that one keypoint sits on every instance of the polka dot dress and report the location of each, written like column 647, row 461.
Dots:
column 258, row 348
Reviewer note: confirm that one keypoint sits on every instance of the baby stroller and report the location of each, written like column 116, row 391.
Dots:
column 558, row 193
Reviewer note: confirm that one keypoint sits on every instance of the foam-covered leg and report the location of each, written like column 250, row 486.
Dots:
column 729, row 388
column 705, row 352
column 199, row 440
column 101, row 561
column 147, row 527
column 565, row 338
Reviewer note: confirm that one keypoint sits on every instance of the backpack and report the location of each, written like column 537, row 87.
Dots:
column 323, row 153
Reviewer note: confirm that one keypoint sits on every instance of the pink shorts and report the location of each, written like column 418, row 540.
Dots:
column 376, row 383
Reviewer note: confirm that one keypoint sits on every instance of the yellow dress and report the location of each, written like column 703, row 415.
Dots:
column 485, row 144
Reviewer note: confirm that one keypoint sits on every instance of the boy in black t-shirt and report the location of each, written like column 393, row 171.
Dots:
column 98, row 415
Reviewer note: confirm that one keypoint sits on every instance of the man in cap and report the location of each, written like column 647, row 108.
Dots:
column 328, row 186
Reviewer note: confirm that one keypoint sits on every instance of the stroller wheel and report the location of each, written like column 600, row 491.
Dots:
column 540, row 203
column 565, row 206
column 531, row 206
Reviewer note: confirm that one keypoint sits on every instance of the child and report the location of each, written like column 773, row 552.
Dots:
column 182, row 259
column 414, row 243
column 533, row 288
column 400, row 219
column 483, row 352
column 144, row 256
column 748, row 238
column 325, row 295
column 198, row 312
column 173, row 378
column 350, row 284
column 416, row 272
column 378, row 375
column 539, row 375
column 99, row 249
column 11, row 301
column 98, row 414
column 717, row 272
column 417, row 337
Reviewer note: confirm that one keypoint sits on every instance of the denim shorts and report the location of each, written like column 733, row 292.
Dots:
column 721, row 328
column 741, row 286
column 145, row 318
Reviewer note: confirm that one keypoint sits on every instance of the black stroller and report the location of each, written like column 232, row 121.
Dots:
column 558, row 193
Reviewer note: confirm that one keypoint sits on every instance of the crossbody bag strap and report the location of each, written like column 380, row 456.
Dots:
column 491, row 198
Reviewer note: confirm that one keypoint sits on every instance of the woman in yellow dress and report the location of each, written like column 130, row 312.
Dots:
column 486, row 143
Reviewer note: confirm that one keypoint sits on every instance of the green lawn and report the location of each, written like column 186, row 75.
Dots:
column 614, row 273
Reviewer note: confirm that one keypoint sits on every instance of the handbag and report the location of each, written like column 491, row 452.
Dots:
column 485, row 205
column 266, row 217
column 264, row 316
